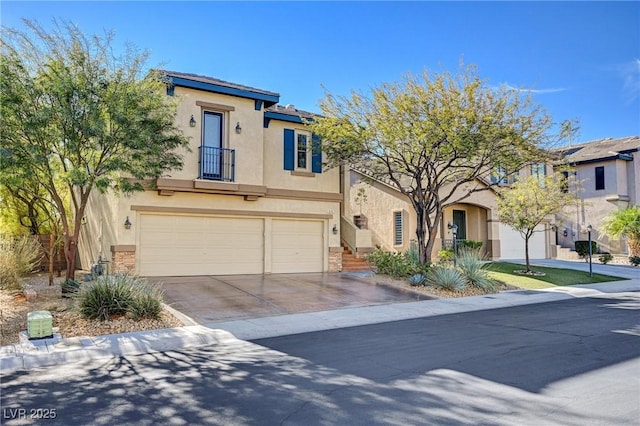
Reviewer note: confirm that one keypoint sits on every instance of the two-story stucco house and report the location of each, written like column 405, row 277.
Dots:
column 609, row 173
column 252, row 196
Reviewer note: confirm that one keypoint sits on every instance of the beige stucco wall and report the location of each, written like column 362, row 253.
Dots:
column 248, row 144
column 101, row 228
column 383, row 201
column 275, row 176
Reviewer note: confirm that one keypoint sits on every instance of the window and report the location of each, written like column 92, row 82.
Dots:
column 539, row 170
column 565, row 182
column 599, row 178
column 501, row 176
column 397, row 228
column 302, row 151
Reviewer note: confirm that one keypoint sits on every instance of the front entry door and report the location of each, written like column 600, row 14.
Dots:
column 460, row 219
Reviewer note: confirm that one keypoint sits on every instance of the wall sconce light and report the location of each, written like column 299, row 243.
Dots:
column 238, row 128
column 565, row 232
column 335, row 229
column 127, row 223
column 192, row 122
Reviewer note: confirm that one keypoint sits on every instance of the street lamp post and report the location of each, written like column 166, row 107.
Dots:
column 589, row 229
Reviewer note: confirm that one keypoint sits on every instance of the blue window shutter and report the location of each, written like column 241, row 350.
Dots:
column 316, row 154
column 289, row 149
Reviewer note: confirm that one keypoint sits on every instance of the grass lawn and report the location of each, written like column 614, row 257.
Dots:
column 503, row 271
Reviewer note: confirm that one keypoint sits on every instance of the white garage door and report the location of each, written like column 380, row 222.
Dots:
column 198, row 245
column 297, row 246
column 512, row 244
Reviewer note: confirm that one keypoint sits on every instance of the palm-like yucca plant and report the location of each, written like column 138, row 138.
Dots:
column 471, row 265
column 625, row 223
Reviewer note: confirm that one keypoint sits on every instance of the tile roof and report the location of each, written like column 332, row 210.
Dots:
column 291, row 110
column 216, row 81
column 599, row 149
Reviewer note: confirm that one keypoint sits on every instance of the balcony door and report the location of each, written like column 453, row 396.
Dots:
column 211, row 155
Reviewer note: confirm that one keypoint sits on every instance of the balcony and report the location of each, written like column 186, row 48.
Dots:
column 217, row 164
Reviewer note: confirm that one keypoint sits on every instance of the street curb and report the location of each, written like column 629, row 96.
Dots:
column 82, row 349
column 49, row 352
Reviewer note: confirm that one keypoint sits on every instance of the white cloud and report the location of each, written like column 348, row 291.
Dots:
column 533, row 91
column 630, row 73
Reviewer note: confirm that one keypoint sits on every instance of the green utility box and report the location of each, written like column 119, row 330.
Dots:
column 39, row 324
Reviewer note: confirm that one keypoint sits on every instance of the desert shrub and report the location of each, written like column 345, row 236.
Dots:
column 417, row 279
column 413, row 253
column 18, row 256
column 397, row 265
column 634, row 260
column 147, row 303
column 471, row 265
column 582, row 248
column 119, row 295
column 446, row 278
column 470, row 244
column 605, row 258
column 445, row 255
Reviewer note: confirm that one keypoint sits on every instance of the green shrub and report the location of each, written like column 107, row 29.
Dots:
column 18, row 257
column 605, row 258
column 446, row 278
column 120, row 295
column 470, row 244
column 417, row 279
column 582, row 248
column 634, row 260
column 397, row 265
column 147, row 303
column 445, row 255
column 471, row 266
column 413, row 253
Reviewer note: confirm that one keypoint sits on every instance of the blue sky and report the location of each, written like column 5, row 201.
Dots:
column 582, row 59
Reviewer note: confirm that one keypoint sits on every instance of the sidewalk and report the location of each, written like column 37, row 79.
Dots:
column 49, row 352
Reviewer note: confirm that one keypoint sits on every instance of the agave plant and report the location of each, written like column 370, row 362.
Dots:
column 471, row 266
column 446, row 278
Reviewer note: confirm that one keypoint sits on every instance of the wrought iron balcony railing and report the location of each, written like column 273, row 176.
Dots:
column 217, row 163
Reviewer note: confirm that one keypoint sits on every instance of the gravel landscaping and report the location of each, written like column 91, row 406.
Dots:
column 14, row 309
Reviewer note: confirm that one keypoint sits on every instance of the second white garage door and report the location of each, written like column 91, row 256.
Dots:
column 512, row 244
column 297, row 246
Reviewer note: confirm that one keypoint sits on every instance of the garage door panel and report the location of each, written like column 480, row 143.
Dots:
column 297, row 246
column 512, row 244
column 198, row 245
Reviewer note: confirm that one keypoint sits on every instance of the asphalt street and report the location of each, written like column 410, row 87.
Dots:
column 570, row 362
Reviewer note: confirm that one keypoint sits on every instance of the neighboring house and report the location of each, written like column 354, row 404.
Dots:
column 252, row 196
column 609, row 173
column 391, row 221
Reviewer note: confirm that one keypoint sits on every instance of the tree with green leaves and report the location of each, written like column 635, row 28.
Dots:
column 79, row 117
column 625, row 223
column 528, row 203
column 436, row 138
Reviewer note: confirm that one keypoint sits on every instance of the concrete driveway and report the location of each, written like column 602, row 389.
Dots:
column 210, row 299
